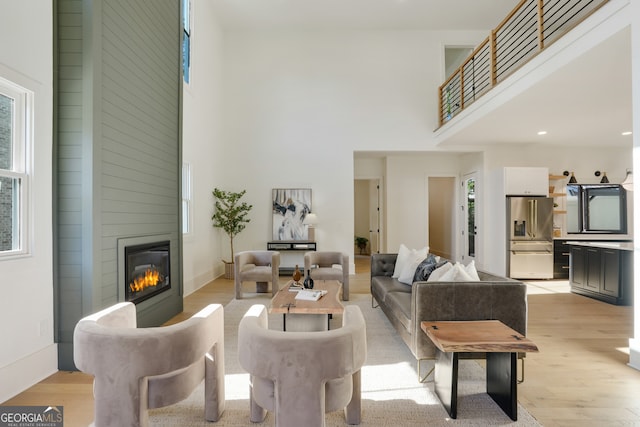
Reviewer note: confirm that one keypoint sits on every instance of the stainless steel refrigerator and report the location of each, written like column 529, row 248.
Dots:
column 530, row 234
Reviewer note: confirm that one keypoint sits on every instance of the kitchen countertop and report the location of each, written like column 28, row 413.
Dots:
column 621, row 246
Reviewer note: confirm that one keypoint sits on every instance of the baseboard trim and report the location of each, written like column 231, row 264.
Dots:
column 634, row 353
column 28, row 371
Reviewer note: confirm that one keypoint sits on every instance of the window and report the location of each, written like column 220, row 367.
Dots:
column 186, row 40
column 186, row 198
column 15, row 108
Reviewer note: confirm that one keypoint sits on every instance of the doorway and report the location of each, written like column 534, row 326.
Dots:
column 442, row 218
column 367, row 214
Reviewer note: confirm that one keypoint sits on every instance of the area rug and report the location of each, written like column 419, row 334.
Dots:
column 391, row 392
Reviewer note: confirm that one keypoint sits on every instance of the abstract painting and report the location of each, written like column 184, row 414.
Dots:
column 290, row 207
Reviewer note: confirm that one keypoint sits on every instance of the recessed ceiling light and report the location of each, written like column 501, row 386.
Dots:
column 542, row 132
column 626, row 133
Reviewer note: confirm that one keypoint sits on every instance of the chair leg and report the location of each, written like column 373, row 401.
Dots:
column 214, row 401
column 257, row 413
column 353, row 411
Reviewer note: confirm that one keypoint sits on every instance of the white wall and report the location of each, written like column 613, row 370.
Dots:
column 634, row 341
column 28, row 353
column 203, row 148
column 298, row 104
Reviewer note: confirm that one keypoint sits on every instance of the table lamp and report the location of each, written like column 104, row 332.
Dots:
column 311, row 220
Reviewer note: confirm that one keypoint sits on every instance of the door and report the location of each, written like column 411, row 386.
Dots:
column 367, row 214
column 470, row 228
column 530, row 218
column 374, row 215
column 442, row 204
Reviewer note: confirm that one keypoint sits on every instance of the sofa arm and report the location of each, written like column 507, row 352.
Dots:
column 497, row 300
column 383, row 264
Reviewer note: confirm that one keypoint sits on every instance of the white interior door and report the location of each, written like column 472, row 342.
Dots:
column 374, row 215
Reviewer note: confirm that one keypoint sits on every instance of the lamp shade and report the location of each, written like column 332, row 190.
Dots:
column 310, row 219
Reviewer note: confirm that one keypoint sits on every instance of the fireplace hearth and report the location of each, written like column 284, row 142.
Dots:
column 147, row 270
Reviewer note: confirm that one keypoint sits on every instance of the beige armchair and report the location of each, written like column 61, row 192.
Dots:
column 257, row 266
column 329, row 266
column 302, row 375
column 137, row 369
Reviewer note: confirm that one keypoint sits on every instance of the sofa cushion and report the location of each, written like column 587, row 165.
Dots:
column 400, row 304
column 405, row 256
column 456, row 274
column 382, row 285
column 471, row 270
column 409, row 270
column 439, row 272
column 426, row 267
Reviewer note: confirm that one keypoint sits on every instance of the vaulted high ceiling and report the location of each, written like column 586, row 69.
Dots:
column 585, row 103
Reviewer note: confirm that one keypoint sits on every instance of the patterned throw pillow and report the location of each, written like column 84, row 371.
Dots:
column 426, row 267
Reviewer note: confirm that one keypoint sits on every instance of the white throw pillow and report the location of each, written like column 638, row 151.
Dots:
column 456, row 274
column 439, row 272
column 405, row 256
column 409, row 270
column 471, row 271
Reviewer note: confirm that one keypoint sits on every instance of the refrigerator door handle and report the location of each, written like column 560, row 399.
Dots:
column 535, row 218
column 532, row 218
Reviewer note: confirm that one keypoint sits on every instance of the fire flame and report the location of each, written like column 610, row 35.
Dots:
column 150, row 278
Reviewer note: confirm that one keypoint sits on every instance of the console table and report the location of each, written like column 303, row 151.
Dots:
column 292, row 253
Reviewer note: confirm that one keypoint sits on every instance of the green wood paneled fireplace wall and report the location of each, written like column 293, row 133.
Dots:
column 117, row 153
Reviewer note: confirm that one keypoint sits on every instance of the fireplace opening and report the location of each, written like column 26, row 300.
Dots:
column 147, row 270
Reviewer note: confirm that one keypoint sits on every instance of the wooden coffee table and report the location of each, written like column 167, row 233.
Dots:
column 301, row 315
column 501, row 345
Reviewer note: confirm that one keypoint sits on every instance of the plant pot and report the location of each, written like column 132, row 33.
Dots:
column 228, row 270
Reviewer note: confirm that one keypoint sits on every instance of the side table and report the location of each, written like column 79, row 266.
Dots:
column 501, row 344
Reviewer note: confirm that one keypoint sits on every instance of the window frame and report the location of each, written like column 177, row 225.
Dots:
column 187, row 200
column 22, row 143
column 186, row 24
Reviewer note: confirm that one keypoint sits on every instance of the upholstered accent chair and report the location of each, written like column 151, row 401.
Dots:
column 261, row 267
column 325, row 265
column 302, row 375
column 137, row 369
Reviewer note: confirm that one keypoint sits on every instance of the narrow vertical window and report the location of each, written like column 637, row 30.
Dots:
column 186, row 198
column 186, row 40
column 14, row 113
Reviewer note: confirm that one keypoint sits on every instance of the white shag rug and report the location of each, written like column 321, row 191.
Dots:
column 391, row 392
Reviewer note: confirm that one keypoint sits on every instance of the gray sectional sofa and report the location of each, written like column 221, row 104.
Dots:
column 491, row 298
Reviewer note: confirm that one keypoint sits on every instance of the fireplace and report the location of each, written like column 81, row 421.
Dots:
column 147, row 270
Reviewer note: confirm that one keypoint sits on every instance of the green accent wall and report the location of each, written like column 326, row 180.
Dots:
column 117, row 152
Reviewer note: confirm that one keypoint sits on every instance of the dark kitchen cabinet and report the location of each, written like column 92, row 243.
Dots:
column 602, row 273
column 560, row 259
column 577, row 270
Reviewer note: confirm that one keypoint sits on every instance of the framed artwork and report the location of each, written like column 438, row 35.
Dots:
column 290, row 208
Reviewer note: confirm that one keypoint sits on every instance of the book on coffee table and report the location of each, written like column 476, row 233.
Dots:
column 309, row 295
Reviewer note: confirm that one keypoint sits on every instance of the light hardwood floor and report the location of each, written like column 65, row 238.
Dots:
column 579, row 378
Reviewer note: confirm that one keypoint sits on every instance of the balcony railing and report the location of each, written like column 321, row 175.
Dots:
column 531, row 26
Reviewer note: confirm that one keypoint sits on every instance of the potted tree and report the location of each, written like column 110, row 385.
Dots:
column 361, row 243
column 231, row 215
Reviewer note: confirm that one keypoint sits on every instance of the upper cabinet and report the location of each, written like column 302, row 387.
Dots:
column 526, row 181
